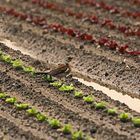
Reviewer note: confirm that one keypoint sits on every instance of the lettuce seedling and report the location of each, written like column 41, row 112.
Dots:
column 78, row 94
column 136, row 122
column 11, row 100
column 112, row 111
column 88, row 99
column 3, row 95
column 1, row 52
column 22, row 106
column 67, row 129
column 56, row 84
column 54, row 123
column 77, row 135
column 18, row 64
column 100, row 105
column 29, row 69
column 124, row 117
column 32, row 111
column 6, row 58
column 40, row 117
column 66, row 88
column 48, row 78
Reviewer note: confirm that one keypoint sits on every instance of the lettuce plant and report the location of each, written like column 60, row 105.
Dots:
column 40, row 117
column 124, row 117
column 100, row 105
column 1, row 53
column 78, row 94
column 56, row 84
column 78, row 135
column 88, row 99
column 48, row 78
column 67, row 129
column 112, row 111
column 136, row 122
column 22, row 106
column 54, row 123
column 66, row 88
column 3, row 95
column 11, row 100
column 17, row 64
column 29, row 69
column 32, row 112
column 6, row 58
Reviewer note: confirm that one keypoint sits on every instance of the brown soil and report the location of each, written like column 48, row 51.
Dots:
column 47, row 50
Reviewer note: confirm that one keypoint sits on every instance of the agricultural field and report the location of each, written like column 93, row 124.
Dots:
column 69, row 70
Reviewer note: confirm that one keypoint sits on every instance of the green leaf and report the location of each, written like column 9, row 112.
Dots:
column 124, row 117
column 56, row 84
column 48, row 78
column 77, row 135
column 6, row 58
column 112, row 111
column 136, row 122
column 78, row 94
column 10, row 100
column 32, row 112
column 54, row 123
column 66, row 88
column 67, row 129
column 40, row 117
column 29, row 69
column 100, row 105
column 17, row 64
column 1, row 53
column 3, row 95
column 88, row 99
column 22, row 106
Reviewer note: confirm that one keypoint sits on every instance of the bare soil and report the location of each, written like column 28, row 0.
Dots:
column 47, row 49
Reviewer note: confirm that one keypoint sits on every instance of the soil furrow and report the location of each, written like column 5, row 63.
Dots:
column 74, row 108
column 12, row 130
column 7, row 30
column 57, row 16
column 95, row 71
column 69, row 70
column 96, row 30
column 85, row 113
column 22, row 119
column 44, row 66
column 100, row 131
column 123, row 4
column 102, row 13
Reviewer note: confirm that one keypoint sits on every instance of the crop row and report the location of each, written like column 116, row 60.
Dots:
column 62, row 87
column 42, row 22
column 110, row 8
column 66, row 129
column 90, row 18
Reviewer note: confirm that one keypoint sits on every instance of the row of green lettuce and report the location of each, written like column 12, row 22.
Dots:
column 61, row 86
column 66, row 129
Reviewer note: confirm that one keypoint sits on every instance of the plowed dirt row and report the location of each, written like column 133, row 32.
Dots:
column 102, row 125
column 45, row 49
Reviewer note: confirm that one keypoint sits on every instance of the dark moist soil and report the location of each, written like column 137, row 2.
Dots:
column 13, row 131
column 48, row 49
column 94, row 123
